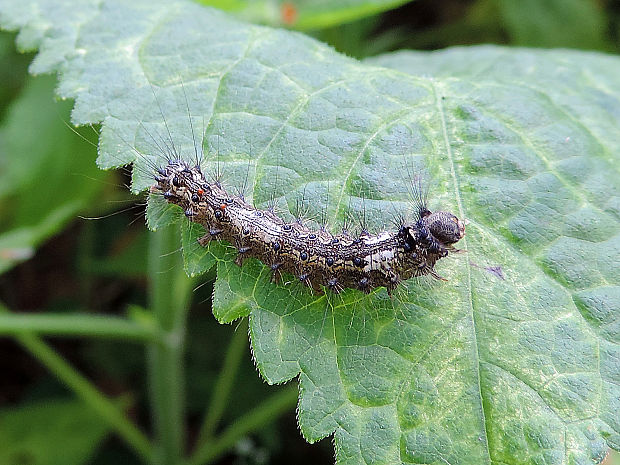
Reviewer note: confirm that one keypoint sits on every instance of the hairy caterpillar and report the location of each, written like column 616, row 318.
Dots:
column 317, row 258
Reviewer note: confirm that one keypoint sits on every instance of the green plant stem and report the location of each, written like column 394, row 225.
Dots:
column 89, row 394
column 170, row 291
column 270, row 409
column 224, row 383
column 74, row 324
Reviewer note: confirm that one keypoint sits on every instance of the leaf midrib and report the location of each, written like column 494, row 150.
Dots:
column 472, row 313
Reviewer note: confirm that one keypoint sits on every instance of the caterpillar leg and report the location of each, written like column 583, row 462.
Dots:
column 204, row 240
column 437, row 276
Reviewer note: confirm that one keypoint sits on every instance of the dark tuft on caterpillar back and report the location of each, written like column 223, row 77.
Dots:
column 318, row 258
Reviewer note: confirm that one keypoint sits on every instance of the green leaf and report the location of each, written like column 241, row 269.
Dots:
column 524, row 144
column 13, row 71
column 62, row 431
column 555, row 23
column 304, row 14
column 47, row 173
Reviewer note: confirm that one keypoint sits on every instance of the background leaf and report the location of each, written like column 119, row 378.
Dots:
column 555, row 23
column 43, row 433
column 481, row 369
column 41, row 186
column 304, row 14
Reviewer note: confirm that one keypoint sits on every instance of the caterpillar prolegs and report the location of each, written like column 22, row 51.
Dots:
column 317, row 258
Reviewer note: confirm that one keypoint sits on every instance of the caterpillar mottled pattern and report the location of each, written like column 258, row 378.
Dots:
column 317, row 258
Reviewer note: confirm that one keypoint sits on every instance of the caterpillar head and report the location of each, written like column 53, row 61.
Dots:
column 445, row 227
column 434, row 231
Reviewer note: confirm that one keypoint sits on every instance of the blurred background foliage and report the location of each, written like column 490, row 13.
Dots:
column 72, row 238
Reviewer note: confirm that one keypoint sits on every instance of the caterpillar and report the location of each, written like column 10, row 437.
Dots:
column 317, row 258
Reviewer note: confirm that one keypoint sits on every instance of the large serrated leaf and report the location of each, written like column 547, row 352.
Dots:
column 517, row 358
